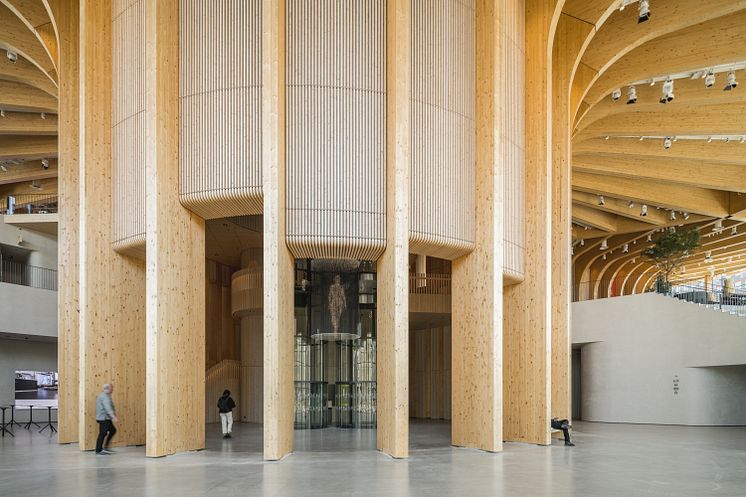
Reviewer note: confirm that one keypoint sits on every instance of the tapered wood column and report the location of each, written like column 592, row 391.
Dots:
column 527, row 318
column 392, row 436
column 279, row 389
column 175, row 257
column 112, row 317
column 476, row 314
column 67, row 14
column 569, row 38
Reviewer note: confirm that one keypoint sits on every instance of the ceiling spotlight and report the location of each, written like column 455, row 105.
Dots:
column 650, row 237
column 607, row 137
column 601, row 200
column 45, row 163
column 625, row 248
column 644, row 12
column 667, row 92
column 710, row 79
column 742, row 140
column 733, row 230
column 642, row 138
column 709, row 139
column 2, row 114
column 631, row 95
column 708, row 256
column 644, row 210
column 604, row 256
column 686, row 216
column 673, row 215
column 732, row 83
column 727, row 139
column 630, row 204
column 616, row 94
column 604, row 245
column 35, row 185
column 624, row 3
column 43, row 115
column 582, row 242
column 3, row 168
column 718, row 225
column 634, row 261
column 12, row 56
column 667, row 142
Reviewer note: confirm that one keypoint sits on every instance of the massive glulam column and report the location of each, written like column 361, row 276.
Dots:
column 477, row 278
column 68, row 19
column 392, row 436
column 279, row 389
column 112, row 338
column 175, row 256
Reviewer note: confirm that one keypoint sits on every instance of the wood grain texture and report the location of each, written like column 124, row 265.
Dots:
column 430, row 373
column 279, row 389
column 112, row 318
column 392, row 434
column 527, row 306
column 128, row 126
column 443, row 163
column 68, row 345
column 336, row 86
column 220, row 95
column 476, row 319
column 175, row 258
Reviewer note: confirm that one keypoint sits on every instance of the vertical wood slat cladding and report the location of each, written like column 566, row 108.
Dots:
column 336, row 128
column 443, row 128
column 512, row 129
column 128, row 126
column 220, row 94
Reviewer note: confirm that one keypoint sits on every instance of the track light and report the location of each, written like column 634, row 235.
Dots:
column 709, row 139
column 650, row 237
column 35, row 185
column 601, row 200
column 630, row 204
column 644, row 12
column 607, row 137
column 631, row 95
column 604, row 245
column 731, row 83
column 43, row 115
column 710, row 79
column 3, row 168
column 12, row 56
column 733, row 230
column 673, row 215
column 616, row 94
column 667, row 92
column 582, row 242
column 625, row 248
column 2, row 113
column 718, row 225
column 604, row 256
column 686, row 216
column 667, row 142
column 45, row 163
column 644, row 210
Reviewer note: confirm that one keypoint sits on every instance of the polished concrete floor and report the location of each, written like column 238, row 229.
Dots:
column 609, row 460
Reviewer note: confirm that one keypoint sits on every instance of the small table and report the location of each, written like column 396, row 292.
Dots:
column 49, row 425
column 31, row 419
column 3, row 427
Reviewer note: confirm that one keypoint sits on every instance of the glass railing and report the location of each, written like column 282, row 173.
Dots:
column 29, row 203
column 18, row 273
column 718, row 297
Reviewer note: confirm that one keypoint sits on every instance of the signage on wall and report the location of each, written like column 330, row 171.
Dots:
column 676, row 384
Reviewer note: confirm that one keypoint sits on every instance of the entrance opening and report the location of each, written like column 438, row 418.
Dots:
column 577, row 413
column 335, row 344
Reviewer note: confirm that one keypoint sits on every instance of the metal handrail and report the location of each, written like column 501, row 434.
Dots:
column 29, row 203
column 18, row 273
column 430, row 283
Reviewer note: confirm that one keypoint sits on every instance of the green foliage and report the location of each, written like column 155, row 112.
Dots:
column 670, row 250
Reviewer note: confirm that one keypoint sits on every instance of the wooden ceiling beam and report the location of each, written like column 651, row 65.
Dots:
column 715, row 152
column 48, row 187
column 594, row 218
column 727, row 177
column 16, row 36
column 28, row 171
column 737, row 206
column 36, row 19
column 620, row 208
column 27, row 123
column 27, row 147
column 689, row 199
column 24, row 71
column 15, row 96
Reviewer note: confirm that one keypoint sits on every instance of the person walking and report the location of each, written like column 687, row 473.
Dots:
column 106, row 417
column 225, row 407
column 564, row 425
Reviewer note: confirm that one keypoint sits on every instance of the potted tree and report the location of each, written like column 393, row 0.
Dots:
column 668, row 254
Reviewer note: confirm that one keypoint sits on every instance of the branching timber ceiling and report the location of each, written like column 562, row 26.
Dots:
column 684, row 161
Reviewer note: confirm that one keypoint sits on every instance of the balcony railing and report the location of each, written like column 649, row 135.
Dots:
column 722, row 298
column 29, row 203
column 18, row 273
column 430, row 284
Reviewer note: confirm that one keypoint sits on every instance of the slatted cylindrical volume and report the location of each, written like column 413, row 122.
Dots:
column 128, row 126
column 336, row 83
column 443, row 128
column 513, row 131
column 220, row 94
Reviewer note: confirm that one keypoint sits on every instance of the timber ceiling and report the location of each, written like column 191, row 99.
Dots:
column 619, row 149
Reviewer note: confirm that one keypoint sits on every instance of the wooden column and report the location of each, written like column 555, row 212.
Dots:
column 67, row 13
column 112, row 318
column 571, row 33
column 175, row 257
column 527, row 317
column 392, row 436
column 476, row 317
column 279, row 389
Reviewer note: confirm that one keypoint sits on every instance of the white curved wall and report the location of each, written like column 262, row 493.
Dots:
column 336, row 81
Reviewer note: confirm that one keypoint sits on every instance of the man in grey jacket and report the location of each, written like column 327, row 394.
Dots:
column 106, row 418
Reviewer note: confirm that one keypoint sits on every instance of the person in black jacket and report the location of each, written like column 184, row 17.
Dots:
column 564, row 425
column 225, row 407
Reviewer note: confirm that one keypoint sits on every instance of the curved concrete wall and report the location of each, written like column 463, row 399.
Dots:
column 443, row 128
column 220, row 93
column 336, row 128
column 128, row 126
